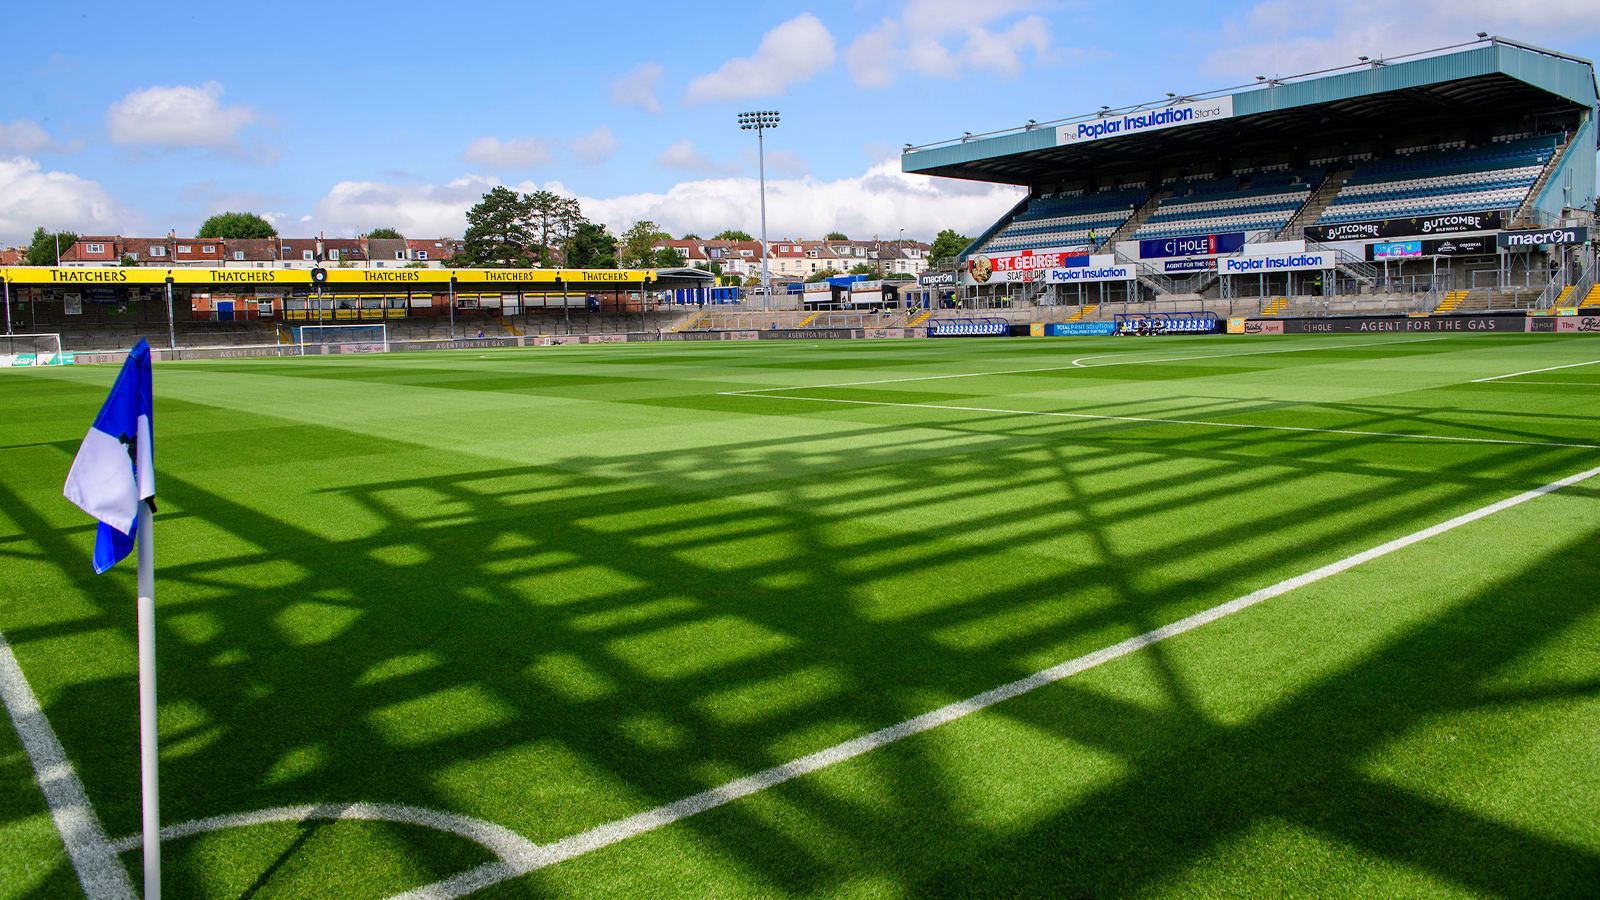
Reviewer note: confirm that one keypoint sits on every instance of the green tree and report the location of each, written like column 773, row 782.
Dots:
column 864, row 269
column 554, row 220
column 236, row 225
column 592, row 248
column 733, row 235
column 385, row 234
column 498, row 234
column 948, row 243
column 42, row 249
column 835, row 236
column 638, row 245
column 670, row 258
column 691, row 236
column 127, row 261
column 823, row 275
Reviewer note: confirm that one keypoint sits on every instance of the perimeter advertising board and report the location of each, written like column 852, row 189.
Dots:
column 1396, row 250
column 1371, row 229
column 1142, row 121
column 1543, row 237
column 1023, row 265
column 1289, row 262
column 1077, row 329
column 1512, row 322
column 1193, row 245
column 1089, row 274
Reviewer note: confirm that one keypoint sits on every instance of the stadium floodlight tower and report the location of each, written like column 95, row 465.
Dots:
column 760, row 122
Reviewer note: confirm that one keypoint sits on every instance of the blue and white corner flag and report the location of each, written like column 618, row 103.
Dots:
column 115, row 468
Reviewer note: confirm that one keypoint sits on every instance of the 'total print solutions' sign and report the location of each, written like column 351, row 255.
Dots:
column 1145, row 120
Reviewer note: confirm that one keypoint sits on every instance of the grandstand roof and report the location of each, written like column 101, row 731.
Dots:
column 1488, row 81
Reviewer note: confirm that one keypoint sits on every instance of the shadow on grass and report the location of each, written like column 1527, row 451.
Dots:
column 550, row 648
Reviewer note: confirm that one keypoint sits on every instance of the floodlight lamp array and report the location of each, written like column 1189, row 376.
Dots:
column 758, row 120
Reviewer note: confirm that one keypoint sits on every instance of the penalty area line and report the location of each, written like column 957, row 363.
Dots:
column 603, row 836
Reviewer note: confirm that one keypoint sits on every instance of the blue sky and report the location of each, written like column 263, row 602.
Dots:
column 340, row 118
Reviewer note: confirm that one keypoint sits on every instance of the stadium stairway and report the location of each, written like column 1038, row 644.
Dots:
column 689, row 323
column 1082, row 313
column 1315, row 204
column 1561, row 299
column 1276, row 306
column 1592, row 300
column 507, row 326
column 921, row 317
column 1449, row 303
column 1135, row 221
column 1526, row 216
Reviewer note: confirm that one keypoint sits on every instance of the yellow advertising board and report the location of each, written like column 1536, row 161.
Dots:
column 435, row 279
column 1236, row 325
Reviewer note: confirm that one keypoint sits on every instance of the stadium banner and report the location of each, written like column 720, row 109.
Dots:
column 1292, row 262
column 1022, row 265
column 465, row 344
column 1193, row 245
column 927, row 278
column 1079, row 329
column 1189, row 265
column 1487, row 322
column 1473, row 246
column 1081, row 276
column 1141, row 121
column 1543, row 237
column 880, row 333
column 1563, row 324
column 807, row 334
column 1453, row 223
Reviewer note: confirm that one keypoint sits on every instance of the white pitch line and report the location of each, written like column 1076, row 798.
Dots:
column 603, row 836
column 1129, row 362
column 1155, row 421
column 93, row 857
column 1534, row 372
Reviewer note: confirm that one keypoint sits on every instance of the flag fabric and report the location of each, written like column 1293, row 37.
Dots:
column 114, row 470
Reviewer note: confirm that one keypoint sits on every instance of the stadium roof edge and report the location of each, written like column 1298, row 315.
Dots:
column 1563, row 75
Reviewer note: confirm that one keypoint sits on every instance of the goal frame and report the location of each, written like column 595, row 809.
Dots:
column 324, row 331
column 9, row 349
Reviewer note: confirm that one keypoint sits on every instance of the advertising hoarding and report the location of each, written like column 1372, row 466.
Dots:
column 1193, row 245
column 1086, row 275
column 1291, row 262
column 1021, row 265
column 1453, row 223
column 1141, row 121
column 1542, row 237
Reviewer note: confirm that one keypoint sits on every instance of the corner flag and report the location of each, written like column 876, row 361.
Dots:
column 113, row 478
column 114, row 469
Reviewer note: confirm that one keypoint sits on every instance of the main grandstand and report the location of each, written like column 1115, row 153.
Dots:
column 1453, row 179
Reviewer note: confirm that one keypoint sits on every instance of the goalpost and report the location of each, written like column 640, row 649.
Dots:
column 31, row 350
column 311, row 340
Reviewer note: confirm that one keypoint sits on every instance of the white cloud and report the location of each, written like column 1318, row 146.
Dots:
column 682, row 155
column 881, row 201
column 780, row 163
column 25, row 136
column 30, row 198
column 518, row 153
column 595, row 147
column 638, row 88
column 1287, row 37
column 924, row 40
column 791, row 53
column 179, row 117
column 419, row 210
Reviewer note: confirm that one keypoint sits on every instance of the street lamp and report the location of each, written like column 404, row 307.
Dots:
column 760, row 122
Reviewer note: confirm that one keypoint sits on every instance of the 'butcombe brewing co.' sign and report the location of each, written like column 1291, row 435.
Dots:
column 1453, row 223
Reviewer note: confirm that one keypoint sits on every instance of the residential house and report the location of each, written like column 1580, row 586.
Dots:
column 93, row 250
column 149, row 251
column 250, row 253
column 197, row 252
column 433, row 252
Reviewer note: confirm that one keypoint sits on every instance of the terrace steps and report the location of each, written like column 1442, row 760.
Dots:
column 1449, row 303
column 1593, row 299
column 1082, row 313
column 1276, row 306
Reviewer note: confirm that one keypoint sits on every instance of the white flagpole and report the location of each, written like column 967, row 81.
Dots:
column 149, row 782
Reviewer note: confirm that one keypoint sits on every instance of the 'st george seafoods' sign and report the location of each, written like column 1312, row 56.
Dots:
column 1022, row 265
column 1452, row 223
column 1141, row 121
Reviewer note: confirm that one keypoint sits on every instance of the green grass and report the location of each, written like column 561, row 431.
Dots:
column 551, row 588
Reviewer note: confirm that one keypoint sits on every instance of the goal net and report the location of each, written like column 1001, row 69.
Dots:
column 315, row 339
column 31, row 350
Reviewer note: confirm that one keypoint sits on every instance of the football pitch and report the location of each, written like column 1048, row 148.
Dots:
column 1077, row 618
